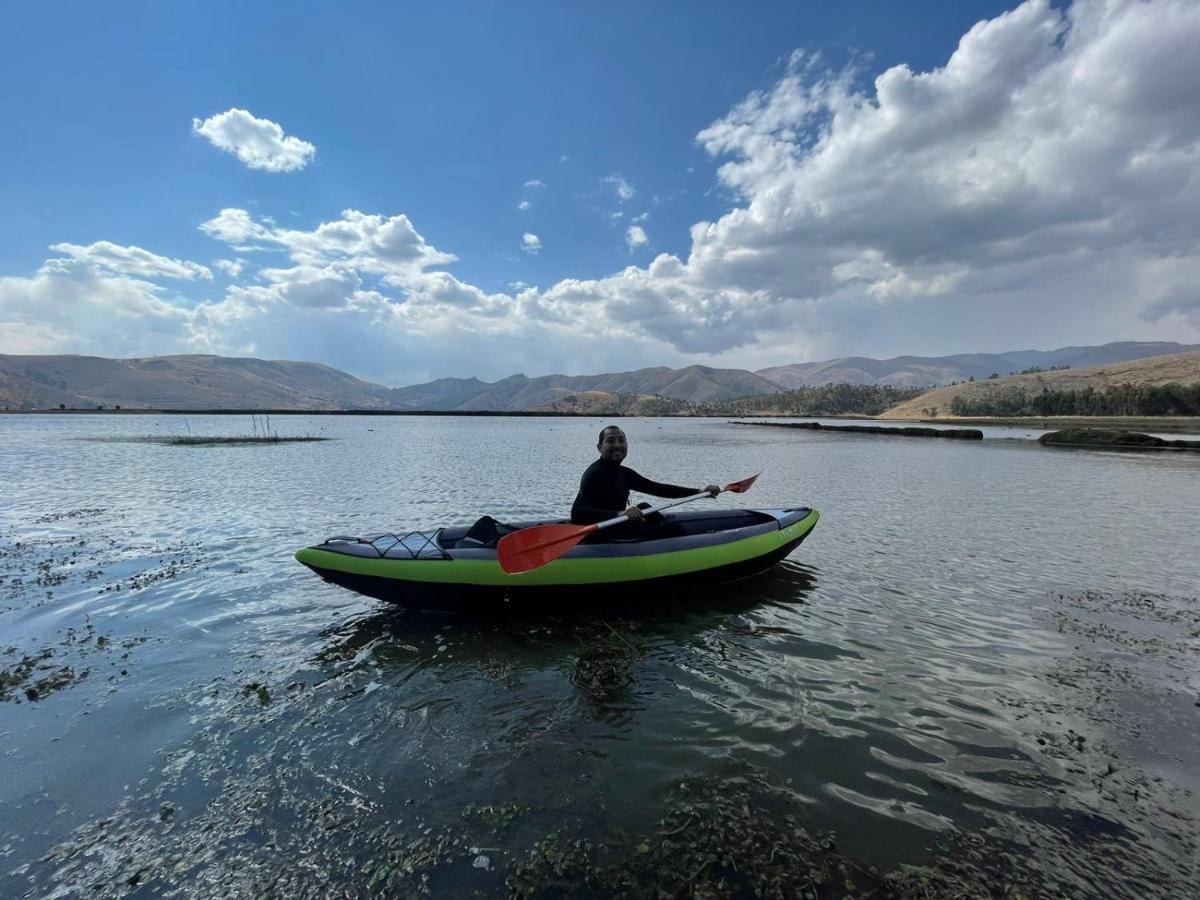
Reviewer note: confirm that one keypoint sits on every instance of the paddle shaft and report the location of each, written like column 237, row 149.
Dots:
column 624, row 517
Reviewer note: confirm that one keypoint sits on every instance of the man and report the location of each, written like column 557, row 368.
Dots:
column 605, row 486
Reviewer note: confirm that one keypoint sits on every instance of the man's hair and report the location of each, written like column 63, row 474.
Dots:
column 600, row 440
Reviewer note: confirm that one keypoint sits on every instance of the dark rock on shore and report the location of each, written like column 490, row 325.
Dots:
column 1120, row 440
column 968, row 434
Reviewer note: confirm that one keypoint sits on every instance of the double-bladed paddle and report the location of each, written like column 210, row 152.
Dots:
column 530, row 548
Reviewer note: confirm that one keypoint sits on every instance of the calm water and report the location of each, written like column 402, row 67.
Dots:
column 984, row 656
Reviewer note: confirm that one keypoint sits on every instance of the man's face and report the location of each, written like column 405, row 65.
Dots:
column 613, row 446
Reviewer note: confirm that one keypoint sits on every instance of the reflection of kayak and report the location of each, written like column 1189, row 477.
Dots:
column 452, row 567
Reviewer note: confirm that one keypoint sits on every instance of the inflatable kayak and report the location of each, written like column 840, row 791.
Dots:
column 457, row 567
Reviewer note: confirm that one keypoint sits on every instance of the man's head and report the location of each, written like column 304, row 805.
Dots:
column 612, row 445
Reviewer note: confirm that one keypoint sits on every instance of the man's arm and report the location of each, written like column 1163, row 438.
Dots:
column 644, row 485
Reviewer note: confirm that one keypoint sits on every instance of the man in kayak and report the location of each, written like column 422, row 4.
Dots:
column 605, row 486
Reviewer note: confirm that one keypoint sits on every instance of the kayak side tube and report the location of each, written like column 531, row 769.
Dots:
column 586, row 565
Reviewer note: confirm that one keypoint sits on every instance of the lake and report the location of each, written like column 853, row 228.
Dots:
column 979, row 672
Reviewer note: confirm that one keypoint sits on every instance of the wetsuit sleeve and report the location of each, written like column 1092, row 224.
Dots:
column 655, row 489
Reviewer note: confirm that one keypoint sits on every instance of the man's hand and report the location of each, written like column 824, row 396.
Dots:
column 712, row 489
column 635, row 514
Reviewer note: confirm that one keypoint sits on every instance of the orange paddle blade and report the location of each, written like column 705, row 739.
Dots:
column 530, row 548
column 740, row 487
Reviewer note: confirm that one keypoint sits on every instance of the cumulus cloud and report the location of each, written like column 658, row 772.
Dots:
column 73, row 305
column 259, row 143
column 531, row 243
column 371, row 243
column 132, row 261
column 231, row 267
column 623, row 188
column 523, row 205
column 635, row 236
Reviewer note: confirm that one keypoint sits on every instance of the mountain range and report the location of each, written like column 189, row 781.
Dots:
column 934, row 371
column 216, row 382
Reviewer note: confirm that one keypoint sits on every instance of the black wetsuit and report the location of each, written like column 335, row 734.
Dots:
column 604, row 491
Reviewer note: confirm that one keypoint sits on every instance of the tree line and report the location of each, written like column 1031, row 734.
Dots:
column 822, row 400
column 1115, row 400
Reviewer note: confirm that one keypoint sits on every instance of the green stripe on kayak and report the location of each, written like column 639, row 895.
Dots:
column 565, row 571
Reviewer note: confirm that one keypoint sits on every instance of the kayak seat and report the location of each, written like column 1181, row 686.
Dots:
column 486, row 532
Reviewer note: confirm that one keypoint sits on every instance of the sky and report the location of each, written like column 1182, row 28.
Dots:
column 409, row 191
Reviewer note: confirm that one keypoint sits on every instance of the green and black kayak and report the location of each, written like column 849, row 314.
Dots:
column 457, row 567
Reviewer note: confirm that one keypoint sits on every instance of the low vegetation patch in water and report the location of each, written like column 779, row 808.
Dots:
column 1118, row 440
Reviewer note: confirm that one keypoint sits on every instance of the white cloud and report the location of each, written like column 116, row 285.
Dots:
column 635, row 236
column 534, row 183
column 76, row 306
column 623, row 188
column 523, row 205
column 259, row 143
column 531, row 243
column 132, row 261
column 237, row 228
column 642, row 217
column 231, row 267
column 372, row 243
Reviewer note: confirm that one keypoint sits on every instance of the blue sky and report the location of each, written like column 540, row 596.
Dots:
column 815, row 240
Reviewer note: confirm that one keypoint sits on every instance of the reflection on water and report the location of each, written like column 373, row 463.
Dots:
column 982, row 661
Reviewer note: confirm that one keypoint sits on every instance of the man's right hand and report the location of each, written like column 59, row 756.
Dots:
column 635, row 514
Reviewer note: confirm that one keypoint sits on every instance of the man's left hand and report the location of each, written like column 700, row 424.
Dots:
column 712, row 489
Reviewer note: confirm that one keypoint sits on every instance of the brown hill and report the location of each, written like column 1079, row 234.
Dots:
column 929, row 371
column 603, row 403
column 1179, row 368
column 181, row 382
column 694, row 384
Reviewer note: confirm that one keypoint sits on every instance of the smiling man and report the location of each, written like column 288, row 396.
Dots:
column 605, row 486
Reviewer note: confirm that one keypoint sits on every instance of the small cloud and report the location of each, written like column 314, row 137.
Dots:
column 259, row 143
column 523, row 205
column 531, row 243
column 534, row 183
column 231, row 267
column 623, row 188
column 640, row 218
column 519, row 286
column 562, row 159
column 617, row 215
column 635, row 236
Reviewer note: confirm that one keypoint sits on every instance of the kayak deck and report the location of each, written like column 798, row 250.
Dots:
column 453, row 567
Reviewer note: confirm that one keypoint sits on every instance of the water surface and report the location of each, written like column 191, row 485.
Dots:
column 983, row 662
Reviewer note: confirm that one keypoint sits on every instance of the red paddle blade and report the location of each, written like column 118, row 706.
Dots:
column 740, row 487
column 530, row 548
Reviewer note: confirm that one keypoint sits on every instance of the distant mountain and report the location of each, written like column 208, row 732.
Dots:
column 218, row 382
column 181, row 382
column 929, row 371
column 1178, row 368
column 695, row 384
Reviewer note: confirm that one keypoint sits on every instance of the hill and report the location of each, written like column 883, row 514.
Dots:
column 694, row 384
column 181, row 382
column 1178, row 368
column 923, row 371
